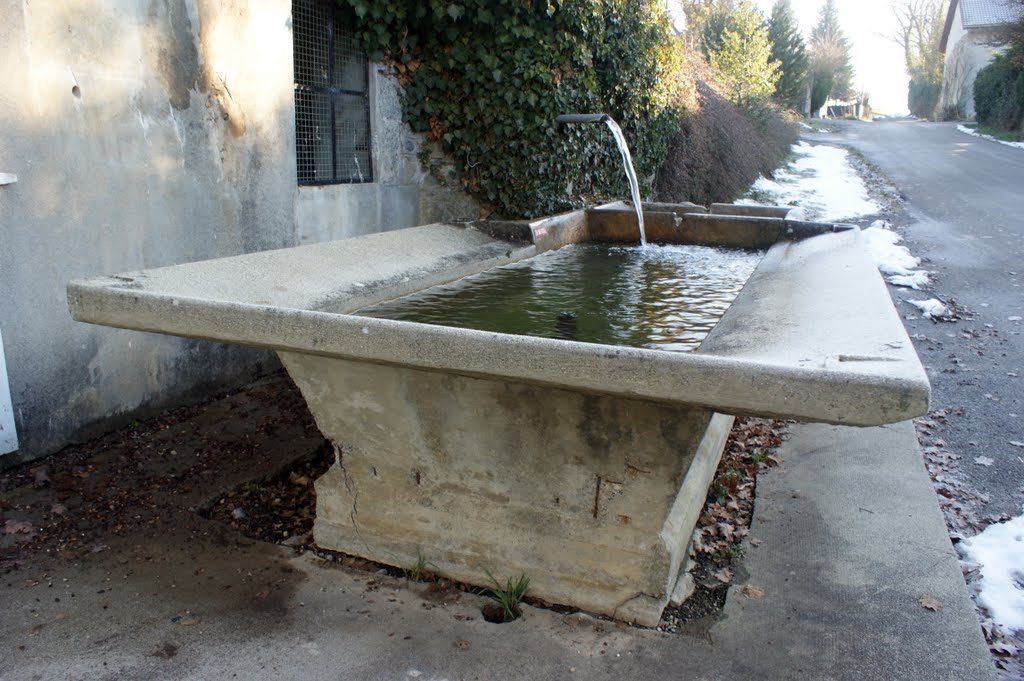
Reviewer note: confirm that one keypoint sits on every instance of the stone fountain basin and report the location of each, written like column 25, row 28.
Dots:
column 813, row 335
column 583, row 466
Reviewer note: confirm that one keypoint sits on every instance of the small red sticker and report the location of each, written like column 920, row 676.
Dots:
column 540, row 232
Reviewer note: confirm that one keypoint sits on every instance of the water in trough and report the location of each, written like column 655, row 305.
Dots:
column 665, row 297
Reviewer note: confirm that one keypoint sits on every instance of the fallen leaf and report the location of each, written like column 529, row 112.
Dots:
column 754, row 541
column 18, row 526
column 461, row 643
column 983, row 461
column 724, row 575
column 166, row 651
column 1003, row 649
column 929, row 602
column 40, row 476
column 752, row 592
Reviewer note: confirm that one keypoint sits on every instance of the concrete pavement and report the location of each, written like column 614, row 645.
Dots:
column 849, row 540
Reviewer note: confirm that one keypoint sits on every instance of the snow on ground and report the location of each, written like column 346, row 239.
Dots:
column 931, row 308
column 894, row 260
column 999, row 550
column 822, row 181
column 975, row 133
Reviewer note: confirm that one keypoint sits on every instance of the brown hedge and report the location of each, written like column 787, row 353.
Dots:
column 718, row 151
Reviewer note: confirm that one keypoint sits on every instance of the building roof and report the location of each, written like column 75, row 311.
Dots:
column 981, row 14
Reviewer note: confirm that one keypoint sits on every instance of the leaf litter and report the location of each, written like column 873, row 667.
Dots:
column 721, row 537
column 960, row 504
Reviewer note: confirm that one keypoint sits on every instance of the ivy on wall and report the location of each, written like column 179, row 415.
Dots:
column 485, row 80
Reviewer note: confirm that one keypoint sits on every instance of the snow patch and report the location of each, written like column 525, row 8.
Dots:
column 930, row 308
column 999, row 550
column 892, row 259
column 822, row 181
column 975, row 133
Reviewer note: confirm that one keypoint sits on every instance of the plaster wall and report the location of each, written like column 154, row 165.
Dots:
column 968, row 53
column 145, row 133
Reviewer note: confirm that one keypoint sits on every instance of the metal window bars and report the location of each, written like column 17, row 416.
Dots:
column 332, row 104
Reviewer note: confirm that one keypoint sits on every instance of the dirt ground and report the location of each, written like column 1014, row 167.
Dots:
column 151, row 478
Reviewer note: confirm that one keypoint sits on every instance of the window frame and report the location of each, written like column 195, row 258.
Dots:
column 334, row 94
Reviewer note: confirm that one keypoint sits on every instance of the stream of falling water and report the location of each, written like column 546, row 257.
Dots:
column 634, row 185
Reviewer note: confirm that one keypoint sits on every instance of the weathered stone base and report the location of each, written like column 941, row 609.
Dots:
column 592, row 497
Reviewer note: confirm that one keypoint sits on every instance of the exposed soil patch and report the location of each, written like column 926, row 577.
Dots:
column 278, row 508
column 149, row 478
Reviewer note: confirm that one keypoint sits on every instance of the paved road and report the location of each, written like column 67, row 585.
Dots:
column 965, row 205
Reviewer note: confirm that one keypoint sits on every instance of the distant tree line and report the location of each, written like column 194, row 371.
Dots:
column 762, row 60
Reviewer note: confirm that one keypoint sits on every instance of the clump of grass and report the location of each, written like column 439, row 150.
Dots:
column 508, row 596
column 420, row 570
column 729, row 553
column 1004, row 135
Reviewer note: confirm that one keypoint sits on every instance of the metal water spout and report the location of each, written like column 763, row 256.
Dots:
column 627, row 159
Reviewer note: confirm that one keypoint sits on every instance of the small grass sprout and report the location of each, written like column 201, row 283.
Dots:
column 508, row 596
column 729, row 553
column 420, row 570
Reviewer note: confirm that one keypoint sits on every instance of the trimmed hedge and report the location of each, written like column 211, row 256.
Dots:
column 719, row 152
column 999, row 94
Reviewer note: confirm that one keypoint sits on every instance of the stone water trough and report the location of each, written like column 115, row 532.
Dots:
column 582, row 466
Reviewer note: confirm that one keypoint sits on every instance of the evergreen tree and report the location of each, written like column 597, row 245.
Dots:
column 716, row 21
column 830, row 58
column 742, row 57
column 789, row 50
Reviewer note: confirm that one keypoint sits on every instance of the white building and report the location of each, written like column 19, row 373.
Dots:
column 975, row 31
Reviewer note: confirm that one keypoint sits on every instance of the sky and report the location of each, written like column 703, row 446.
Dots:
column 877, row 60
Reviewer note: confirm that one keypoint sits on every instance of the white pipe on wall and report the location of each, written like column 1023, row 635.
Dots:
column 8, row 434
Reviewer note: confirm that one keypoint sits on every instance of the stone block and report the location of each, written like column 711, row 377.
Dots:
column 593, row 497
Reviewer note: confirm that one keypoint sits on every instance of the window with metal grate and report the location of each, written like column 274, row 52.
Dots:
column 332, row 103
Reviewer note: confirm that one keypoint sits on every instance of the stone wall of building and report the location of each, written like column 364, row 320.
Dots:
column 142, row 133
